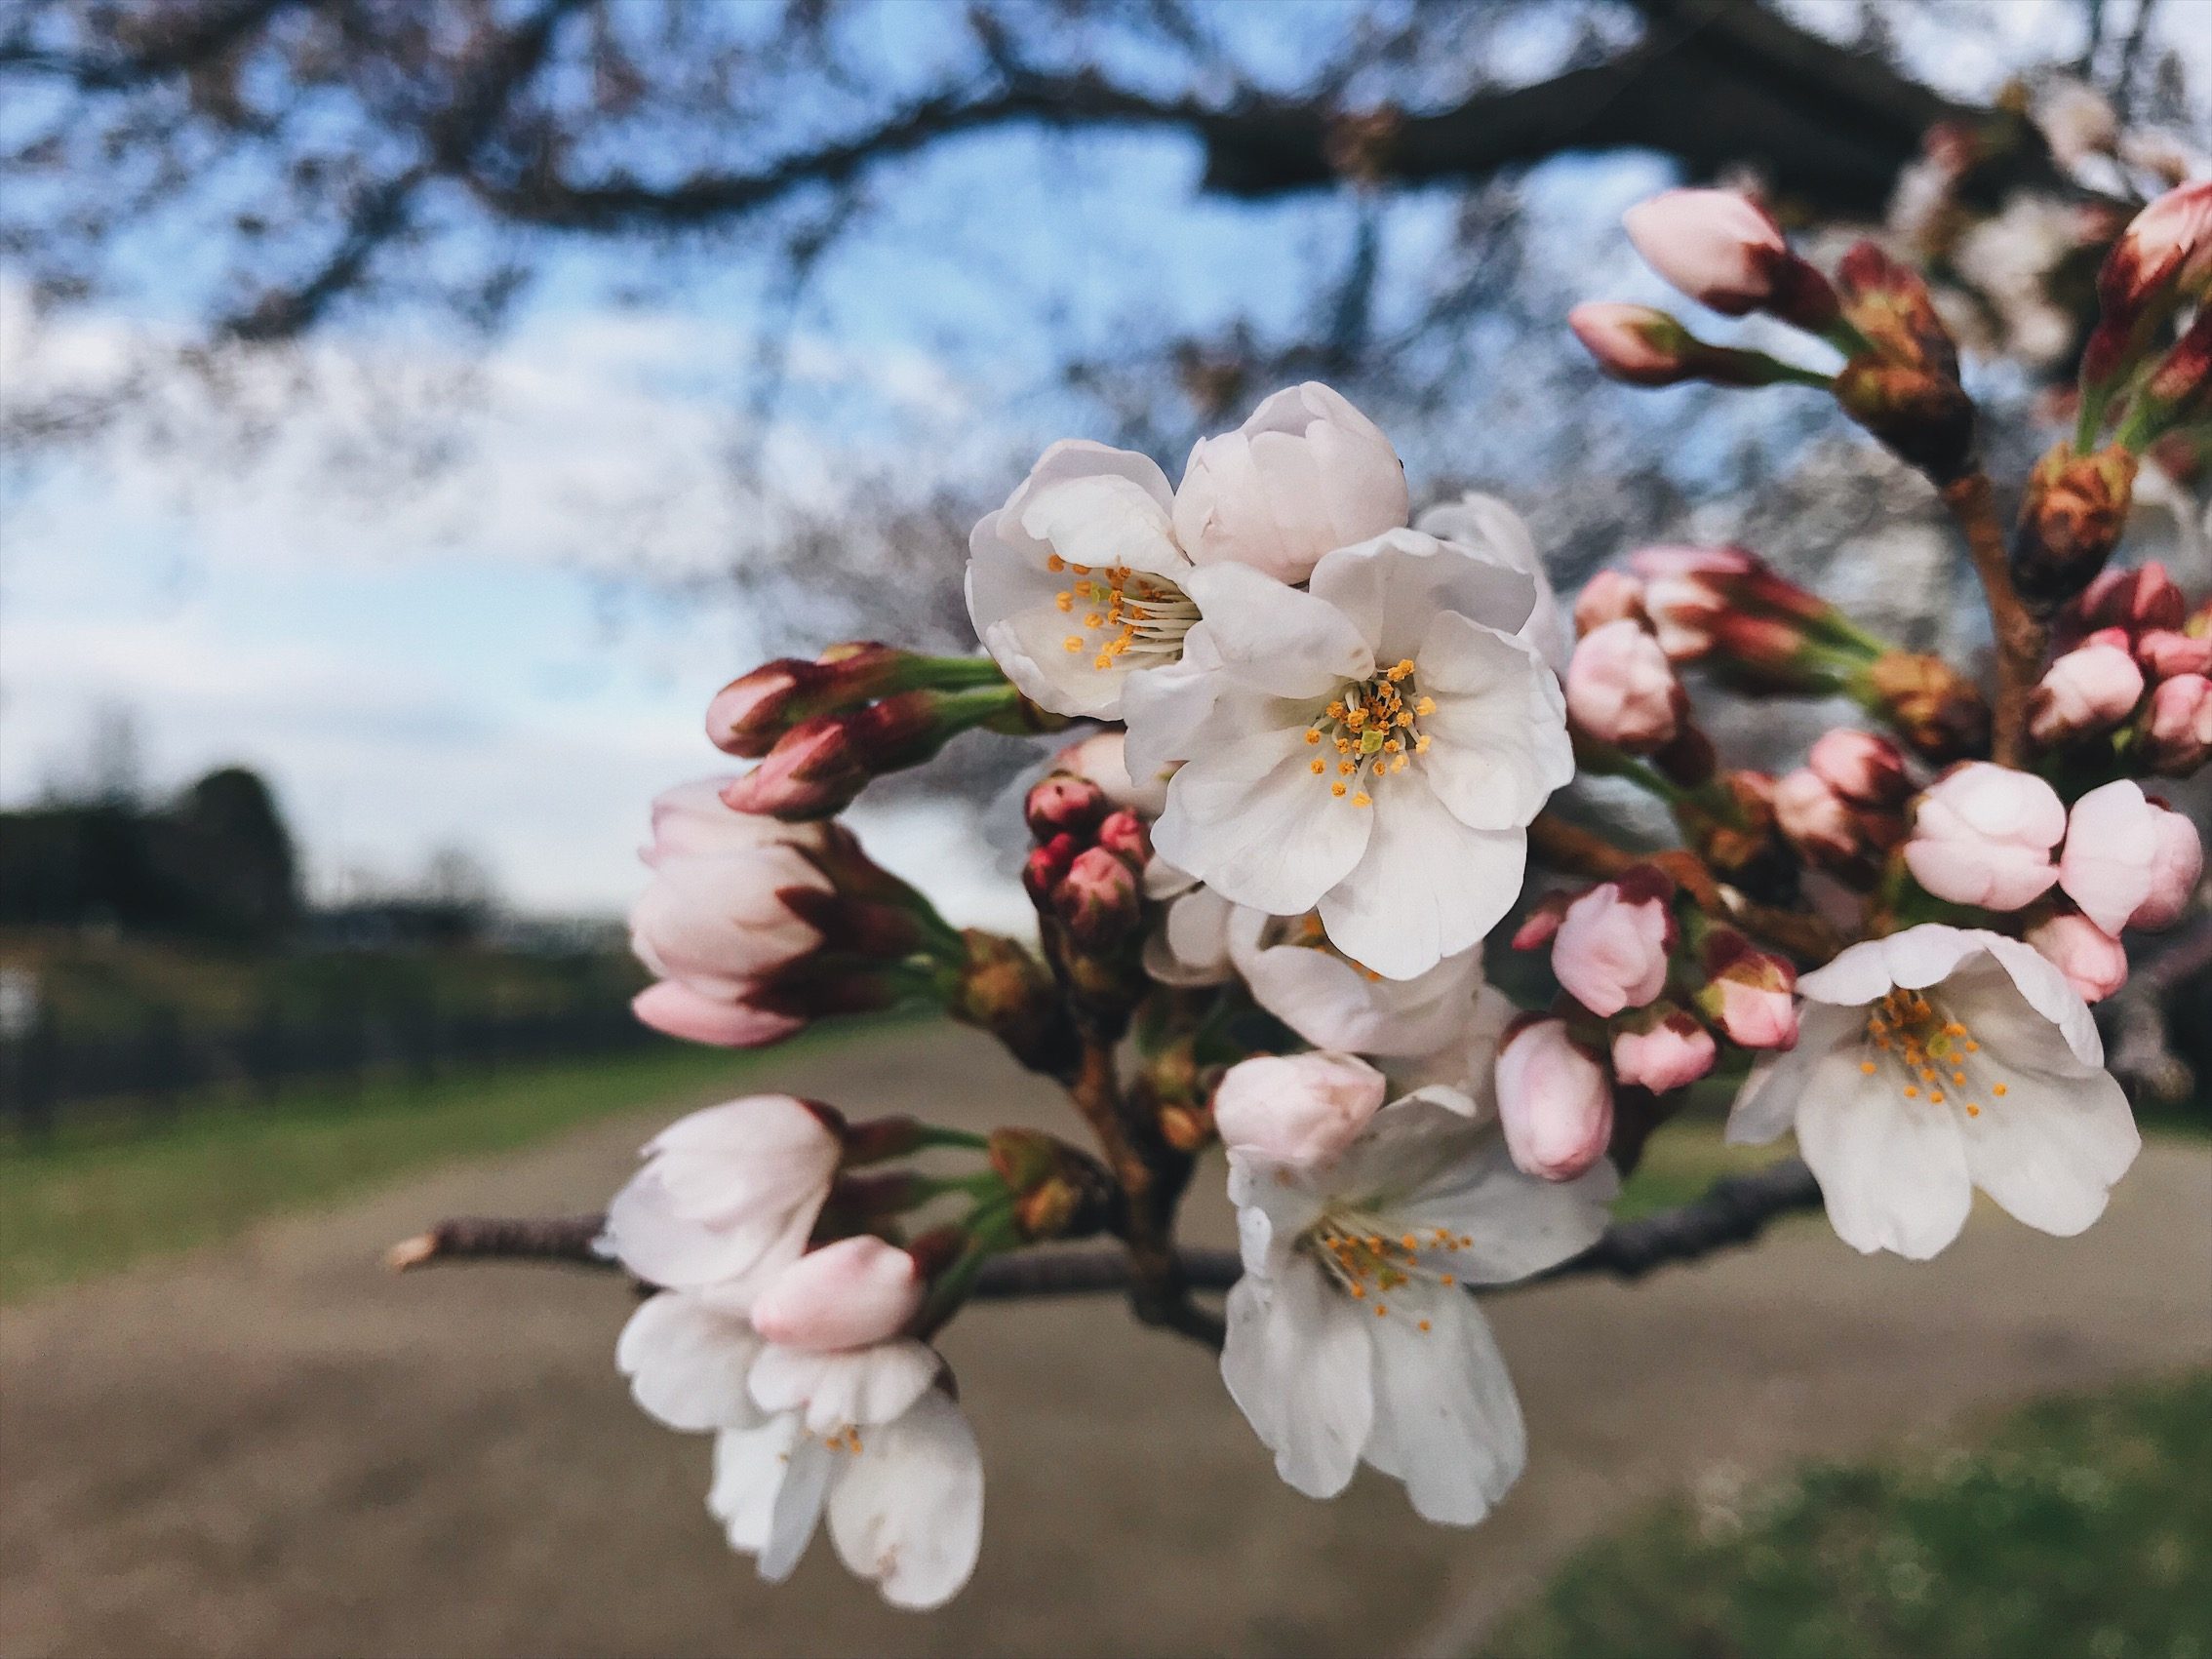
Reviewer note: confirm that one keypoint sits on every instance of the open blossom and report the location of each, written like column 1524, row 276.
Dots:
column 2094, row 962
column 1305, row 473
column 1297, row 1108
column 725, row 1194
column 1610, row 952
column 1621, row 688
column 863, row 1434
column 1665, row 1049
column 1490, row 526
column 1554, row 1101
column 1372, row 749
column 2130, row 861
column 1077, row 584
column 1350, row 1337
column 2092, row 688
column 1983, row 835
column 1935, row 1061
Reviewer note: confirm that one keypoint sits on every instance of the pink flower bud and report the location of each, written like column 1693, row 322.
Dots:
column 1750, row 995
column 2130, row 861
column 2167, row 651
column 1635, row 344
column 813, row 770
column 1047, row 867
column 1064, row 804
column 1621, row 689
column 1867, row 771
column 1554, row 1100
column 750, row 713
column 1297, row 1108
column 1718, row 247
column 1668, row 1053
column 1542, row 923
column 2094, row 962
column 1098, row 899
column 1612, row 946
column 2178, row 730
column 723, row 906
column 1306, row 474
column 1609, row 595
column 1124, row 834
column 853, row 1293
column 2090, row 689
column 1102, row 757
column 676, row 1008
column 2131, row 600
column 1817, row 820
column 745, row 717
column 1983, row 834
column 2161, row 259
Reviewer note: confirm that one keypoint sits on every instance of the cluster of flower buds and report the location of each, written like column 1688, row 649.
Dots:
column 2135, row 673
column 755, row 927
column 823, row 730
column 2001, row 839
column 1729, row 611
column 2079, row 495
column 1722, row 249
column 1653, row 988
column 1085, row 876
column 1843, row 810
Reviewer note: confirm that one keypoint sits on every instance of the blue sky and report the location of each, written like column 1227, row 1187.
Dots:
column 512, row 654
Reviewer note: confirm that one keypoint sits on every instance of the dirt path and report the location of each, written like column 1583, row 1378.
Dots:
column 275, row 1448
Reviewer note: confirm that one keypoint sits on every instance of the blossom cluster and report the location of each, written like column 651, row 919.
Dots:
column 1306, row 820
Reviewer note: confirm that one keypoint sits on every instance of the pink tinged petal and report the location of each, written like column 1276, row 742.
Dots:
column 1252, row 822
column 1991, row 878
column 906, row 1509
column 1447, row 1421
column 1394, row 586
column 1891, row 1171
column 1498, row 737
column 1830, row 1043
column 686, row 1362
column 1297, row 1364
column 1718, row 247
column 675, row 1009
column 2112, row 848
column 748, row 1476
column 1302, row 1109
column 1277, row 638
column 1609, row 953
column 1554, row 1101
column 1425, row 886
column 836, row 1392
column 2050, row 1155
column 2176, row 868
column 1670, row 1056
column 2094, row 962
column 848, row 1294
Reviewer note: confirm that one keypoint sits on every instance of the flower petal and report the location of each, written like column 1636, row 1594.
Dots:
column 2050, row 1155
column 798, row 1507
column 1829, row 1044
column 1296, row 1363
column 748, row 1475
column 1486, row 524
column 1393, row 585
column 1277, row 638
column 1892, row 1171
column 1512, row 1224
column 906, row 1509
column 1251, row 821
column 1447, row 1421
column 839, row 1391
column 686, row 1362
column 1499, row 744
column 1425, row 886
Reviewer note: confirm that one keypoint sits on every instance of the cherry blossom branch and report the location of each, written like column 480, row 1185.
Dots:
column 1734, row 1211
column 2020, row 638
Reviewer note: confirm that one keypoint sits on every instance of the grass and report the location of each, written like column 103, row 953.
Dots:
column 95, row 1199
column 2076, row 1528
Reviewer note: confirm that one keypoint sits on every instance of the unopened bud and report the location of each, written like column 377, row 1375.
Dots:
column 2177, row 390
column 1865, row 769
column 2133, row 600
column 1621, row 689
column 2094, row 962
column 1923, row 417
column 2178, row 729
column 848, row 1295
column 1818, row 821
column 1125, row 834
column 749, row 714
column 1725, row 252
column 1047, row 867
column 2091, row 688
column 1008, row 992
column 1058, row 1191
column 1937, row 710
column 2069, row 521
column 1098, row 900
column 2166, row 652
column 1302, row 1109
column 2162, row 260
column 1555, row 1100
column 1641, row 346
column 1748, row 995
column 1613, row 943
column 1662, row 1048
column 1064, row 804
column 1609, row 595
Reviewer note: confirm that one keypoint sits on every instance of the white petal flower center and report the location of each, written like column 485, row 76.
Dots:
column 1931, row 1055
column 1368, row 1260
column 1375, row 728
column 1123, row 613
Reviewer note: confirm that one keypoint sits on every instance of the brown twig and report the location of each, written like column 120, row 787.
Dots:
column 2021, row 640
column 1734, row 1211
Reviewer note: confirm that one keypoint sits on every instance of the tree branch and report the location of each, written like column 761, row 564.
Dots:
column 2020, row 638
column 1733, row 1211
column 172, row 42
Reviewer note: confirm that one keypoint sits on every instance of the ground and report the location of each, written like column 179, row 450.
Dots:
column 271, row 1446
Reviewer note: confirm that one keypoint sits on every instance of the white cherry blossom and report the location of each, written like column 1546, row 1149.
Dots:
column 1371, row 749
column 1351, row 1335
column 1935, row 1061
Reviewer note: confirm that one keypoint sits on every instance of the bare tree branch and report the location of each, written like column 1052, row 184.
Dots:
column 173, row 41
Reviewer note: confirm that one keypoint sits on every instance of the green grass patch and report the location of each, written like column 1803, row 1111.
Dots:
column 2080, row 1527
column 100, row 1195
